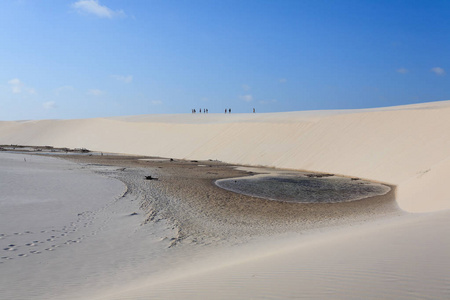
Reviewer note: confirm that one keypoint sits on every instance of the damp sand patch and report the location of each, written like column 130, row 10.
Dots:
column 304, row 187
column 154, row 159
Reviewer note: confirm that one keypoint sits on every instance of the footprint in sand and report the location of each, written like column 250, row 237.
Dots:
column 30, row 244
column 35, row 252
column 22, row 255
column 49, row 249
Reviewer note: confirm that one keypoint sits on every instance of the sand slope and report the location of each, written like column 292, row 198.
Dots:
column 408, row 146
column 400, row 258
column 365, row 262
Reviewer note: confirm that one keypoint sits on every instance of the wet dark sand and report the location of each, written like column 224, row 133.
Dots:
column 185, row 193
column 304, row 187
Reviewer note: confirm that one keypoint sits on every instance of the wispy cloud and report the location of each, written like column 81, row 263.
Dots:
column 125, row 79
column 156, row 102
column 246, row 87
column 263, row 102
column 18, row 87
column 95, row 92
column 438, row 71
column 95, row 8
column 402, row 70
column 63, row 89
column 49, row 105
column 282, row 80
column 246, row 98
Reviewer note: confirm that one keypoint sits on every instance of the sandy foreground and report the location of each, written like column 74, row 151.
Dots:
column 91, row 227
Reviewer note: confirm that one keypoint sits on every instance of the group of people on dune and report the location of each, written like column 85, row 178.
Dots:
column 205, row 110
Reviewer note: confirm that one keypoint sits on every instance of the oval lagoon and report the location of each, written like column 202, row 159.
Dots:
column 304, row 187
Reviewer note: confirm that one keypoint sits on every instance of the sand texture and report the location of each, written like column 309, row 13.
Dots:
column 156, row 226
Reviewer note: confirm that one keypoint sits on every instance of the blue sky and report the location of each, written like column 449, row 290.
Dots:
column 82, row 59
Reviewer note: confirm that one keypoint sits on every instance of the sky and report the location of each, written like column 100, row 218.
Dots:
column 69, row 59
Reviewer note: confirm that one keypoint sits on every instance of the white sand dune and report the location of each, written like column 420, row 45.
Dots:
column 407, row 146
column 374, row 261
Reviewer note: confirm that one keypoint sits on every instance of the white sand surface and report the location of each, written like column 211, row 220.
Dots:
column 65, row 230
column 406, row 258
column 403, row 258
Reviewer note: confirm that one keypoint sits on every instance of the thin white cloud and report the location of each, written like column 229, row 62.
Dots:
column 402, row 70
column 263, row 102
column 438, row 71
column 246, row 98
column 95, row 8
column 282, row 80
column 95, row 92
column 246, row 87
column 49, row 105
column 156, row 102
column 125, row 79
column 63, row 89
column 18, row 87
column 15, row 85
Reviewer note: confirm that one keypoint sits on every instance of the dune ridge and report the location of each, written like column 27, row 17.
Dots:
column 408, row 146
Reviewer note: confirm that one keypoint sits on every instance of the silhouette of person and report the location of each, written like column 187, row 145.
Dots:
column 229, row 110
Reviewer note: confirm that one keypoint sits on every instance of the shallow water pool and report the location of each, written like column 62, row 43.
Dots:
column 304, row 188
